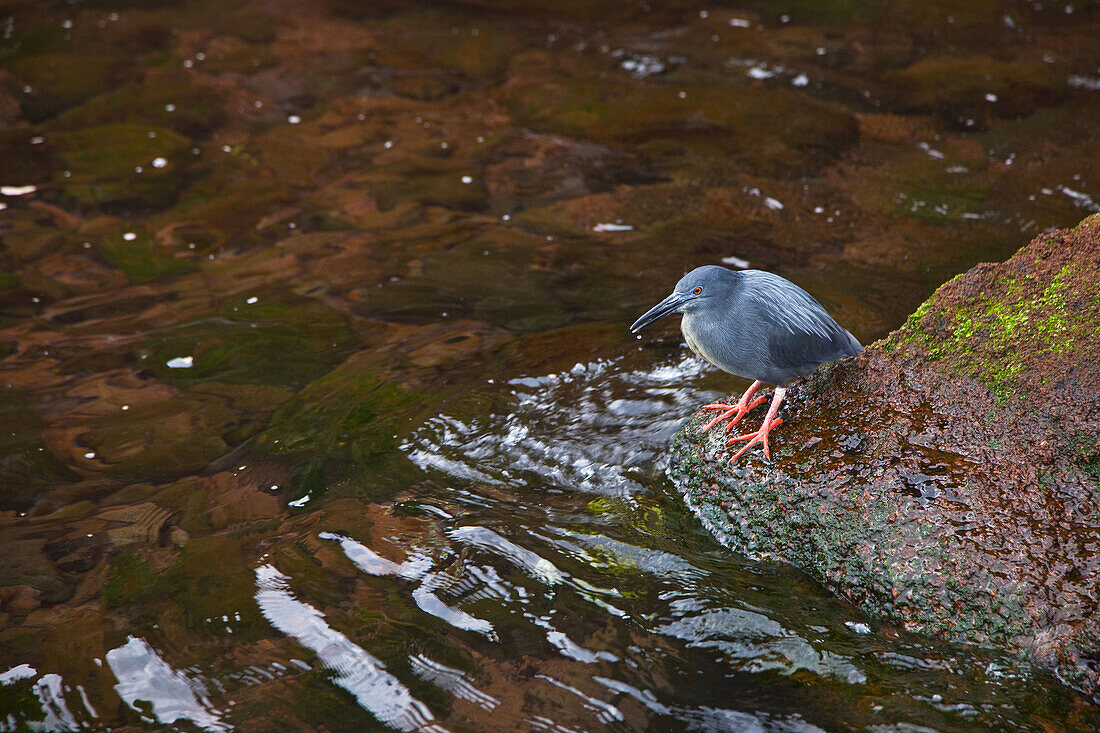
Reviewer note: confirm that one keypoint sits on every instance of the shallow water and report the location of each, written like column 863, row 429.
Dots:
column 318, row 405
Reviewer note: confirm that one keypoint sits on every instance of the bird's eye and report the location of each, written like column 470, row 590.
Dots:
column 698, row 289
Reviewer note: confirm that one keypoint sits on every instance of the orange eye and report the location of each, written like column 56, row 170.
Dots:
column 697, row 290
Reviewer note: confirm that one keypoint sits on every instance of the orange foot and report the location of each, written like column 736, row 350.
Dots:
column 761, row 435
column 738, row 411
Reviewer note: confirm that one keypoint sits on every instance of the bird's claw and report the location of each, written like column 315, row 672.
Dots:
column 737, row 411
column 760, row 436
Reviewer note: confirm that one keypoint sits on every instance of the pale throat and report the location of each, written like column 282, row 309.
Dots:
column 691, row 335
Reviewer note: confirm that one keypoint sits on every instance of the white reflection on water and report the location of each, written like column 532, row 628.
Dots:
column 50, row 693
column 752, row 641
column 144, row 677
column 50, row 690
column 19, row 672
column 371, row 563
column 451, row 680
column 484, row 582
column 606, row 713
column 428, row 602
column 415, row 568
column 519, row 568
column 526, row 560
column 365, row 677
column 711, row 719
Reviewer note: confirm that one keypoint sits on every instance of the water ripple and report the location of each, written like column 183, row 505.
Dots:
column 589, row 428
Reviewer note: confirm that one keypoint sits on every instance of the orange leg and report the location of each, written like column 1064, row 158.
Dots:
column 737, row 411
column 761, row 435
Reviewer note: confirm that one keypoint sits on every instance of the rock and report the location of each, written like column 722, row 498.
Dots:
column 11, row 108
column 682, row 125
column 57, row 81
column 19, row 599
column 141, row 523
column 341, row 425
column 949, row 479
column 966, row 85
column 78, row 273
column 129, row 166
column 169, row 99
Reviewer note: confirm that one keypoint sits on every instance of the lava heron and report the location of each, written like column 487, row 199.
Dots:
column 758, row 326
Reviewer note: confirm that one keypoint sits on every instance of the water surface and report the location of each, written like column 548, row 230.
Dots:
column 319, row 409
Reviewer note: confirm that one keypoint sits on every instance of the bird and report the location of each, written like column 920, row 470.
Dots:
column 757, row 325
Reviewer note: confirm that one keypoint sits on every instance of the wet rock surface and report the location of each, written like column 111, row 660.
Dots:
column 948, row 480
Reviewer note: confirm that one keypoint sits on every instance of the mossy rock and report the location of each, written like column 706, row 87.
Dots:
column 1009, row 320
column 932, row 189
column 341, row 427
column 60, row 80
column 131, row 582
column 224, row 206
column 487, row 277
column 949, row 84
column 8, row 280
column 251, row 24
column 142, row 258
column 427, row 39
column 23, row 704
column 201, row 586
column 971, row 20
column 706, row 120
column 171, row 100
column 429, row 177
column 446, row 188
column 280, row 340
column 165, row 438
column 27, row 469
column 32, row 37
column 207, row 581
column 23, row 162
column 113, row 165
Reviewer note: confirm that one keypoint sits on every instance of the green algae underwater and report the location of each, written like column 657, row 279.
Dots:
column 318, row 406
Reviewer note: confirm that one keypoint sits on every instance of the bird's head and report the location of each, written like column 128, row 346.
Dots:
column 692, row 293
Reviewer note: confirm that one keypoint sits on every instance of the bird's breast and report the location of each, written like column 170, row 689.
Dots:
column 722, row 344
column 697, row 341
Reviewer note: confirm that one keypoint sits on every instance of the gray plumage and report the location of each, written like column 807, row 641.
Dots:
column 754, row 324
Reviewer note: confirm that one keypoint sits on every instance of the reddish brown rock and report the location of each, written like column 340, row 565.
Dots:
column 19, row 599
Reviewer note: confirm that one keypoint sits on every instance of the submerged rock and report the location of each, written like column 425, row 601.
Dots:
column 948, row 480
column 955, row 84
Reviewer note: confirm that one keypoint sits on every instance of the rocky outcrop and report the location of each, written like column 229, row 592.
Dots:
column 948, row 480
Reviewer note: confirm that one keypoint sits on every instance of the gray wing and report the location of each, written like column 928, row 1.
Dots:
column 800, row 334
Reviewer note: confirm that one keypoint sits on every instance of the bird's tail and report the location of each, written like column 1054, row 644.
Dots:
column 854, row 347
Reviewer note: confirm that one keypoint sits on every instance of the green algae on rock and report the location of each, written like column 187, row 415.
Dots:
column 165, row 100
column 126, row 165
column 948, row 479
column 342, row 425
column 958, row 83
column 1019, row 325
column 62, row 80
column 735, row 124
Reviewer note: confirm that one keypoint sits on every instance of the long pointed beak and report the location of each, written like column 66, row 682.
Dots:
column 662, row 309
